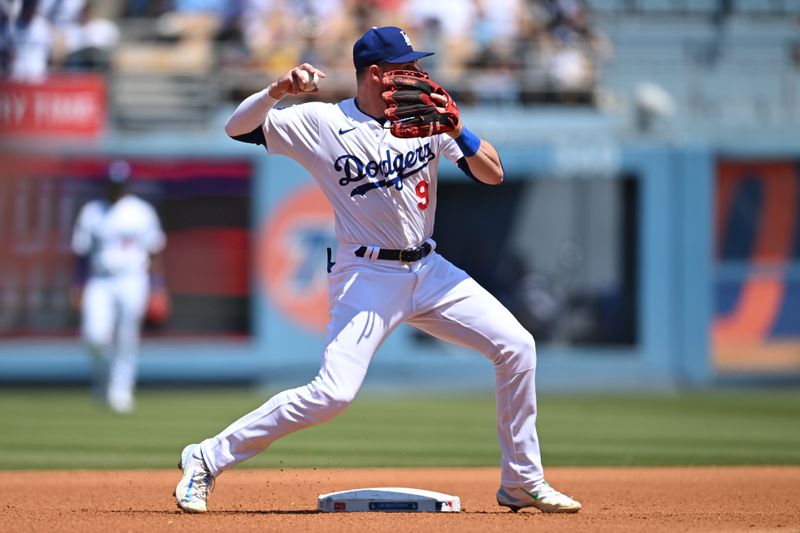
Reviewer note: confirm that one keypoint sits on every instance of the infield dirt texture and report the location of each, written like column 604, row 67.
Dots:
column 615, row 499
column 711, row 461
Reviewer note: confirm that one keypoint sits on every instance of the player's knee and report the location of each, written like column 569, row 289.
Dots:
column 527, row 344
column 339, row 398
column 97, row 342
column 518, row 352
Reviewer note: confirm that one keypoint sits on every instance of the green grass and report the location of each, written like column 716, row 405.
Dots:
column 42, row 428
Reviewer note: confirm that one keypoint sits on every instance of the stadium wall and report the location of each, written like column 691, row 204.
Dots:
column 661, row 269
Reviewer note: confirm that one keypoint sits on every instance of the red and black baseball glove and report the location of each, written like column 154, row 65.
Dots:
column 158, row 307
column 417, row 106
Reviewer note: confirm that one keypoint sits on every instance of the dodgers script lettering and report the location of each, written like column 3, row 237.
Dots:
column 394, row 169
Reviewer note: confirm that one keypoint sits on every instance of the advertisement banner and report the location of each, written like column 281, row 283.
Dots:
column 757, row 289
column 61, row 107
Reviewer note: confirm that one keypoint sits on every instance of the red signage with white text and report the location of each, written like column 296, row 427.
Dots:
column 63, row 106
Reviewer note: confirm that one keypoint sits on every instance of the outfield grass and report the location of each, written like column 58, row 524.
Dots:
column 42, row 429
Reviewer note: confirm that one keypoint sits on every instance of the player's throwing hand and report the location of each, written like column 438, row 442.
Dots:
column 301, row 79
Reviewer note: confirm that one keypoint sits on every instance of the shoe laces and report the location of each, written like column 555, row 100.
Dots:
column 208, row 483
column 543, row 490
column 203, row 481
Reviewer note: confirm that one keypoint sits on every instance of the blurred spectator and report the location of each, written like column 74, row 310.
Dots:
column 573, row 46
column 495, row 63
column 516, row 51
column 193, row 19
column 569, row 68
column 369, row 13
column 282, row 33
column 37, row 33
column 27, row 40
column 445, row 27
column 498, row 25
column 141, row 8
column 82, row 40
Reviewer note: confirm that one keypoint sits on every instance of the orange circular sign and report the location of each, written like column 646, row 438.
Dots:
column 292, row 259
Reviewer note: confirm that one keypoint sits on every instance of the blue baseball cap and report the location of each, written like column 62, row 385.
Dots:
column 119, row 172
column 388, row 44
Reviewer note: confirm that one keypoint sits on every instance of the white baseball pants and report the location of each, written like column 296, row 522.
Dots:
column 369, row 299
column 112, row 310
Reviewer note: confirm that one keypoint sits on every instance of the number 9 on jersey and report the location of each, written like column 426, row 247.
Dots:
column 422, row 194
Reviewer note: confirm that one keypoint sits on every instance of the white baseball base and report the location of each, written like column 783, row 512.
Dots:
column 388, row 499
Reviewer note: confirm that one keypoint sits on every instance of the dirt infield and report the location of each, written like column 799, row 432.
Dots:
column 615, row 499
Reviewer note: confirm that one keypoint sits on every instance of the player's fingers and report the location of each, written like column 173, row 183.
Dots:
column 286, row 83
column 439, row 99
column 313, row 70
column 294, row 77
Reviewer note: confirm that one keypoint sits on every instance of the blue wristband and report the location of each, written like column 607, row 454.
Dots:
column 468, row 142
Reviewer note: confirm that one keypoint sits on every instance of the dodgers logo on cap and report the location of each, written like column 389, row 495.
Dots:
column 388, row 44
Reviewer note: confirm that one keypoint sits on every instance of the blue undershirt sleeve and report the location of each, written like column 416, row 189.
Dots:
column 254, row 137
column 464, row 167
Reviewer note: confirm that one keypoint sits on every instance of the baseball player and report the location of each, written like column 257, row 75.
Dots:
column 376, row 157
column 117, row 236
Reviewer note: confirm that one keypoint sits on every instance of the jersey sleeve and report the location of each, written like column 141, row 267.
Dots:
column 449, row 148
column 294, row 131
column 82, row 233
column 153, row 238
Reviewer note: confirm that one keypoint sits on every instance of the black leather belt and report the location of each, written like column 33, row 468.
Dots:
column 409, row 255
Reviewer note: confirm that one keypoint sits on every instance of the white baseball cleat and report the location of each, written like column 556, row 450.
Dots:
column 196, row 484
column 121, row 403
column 542, row 496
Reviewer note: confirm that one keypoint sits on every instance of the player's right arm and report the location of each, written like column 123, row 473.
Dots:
column 81, row 246
column 82, row 232
column 246, row 121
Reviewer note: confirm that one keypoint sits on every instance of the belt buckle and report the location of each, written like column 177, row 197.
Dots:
column 409, row 255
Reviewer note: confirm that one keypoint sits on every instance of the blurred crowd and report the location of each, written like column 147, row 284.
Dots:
column 494, row 50
column 38, row 35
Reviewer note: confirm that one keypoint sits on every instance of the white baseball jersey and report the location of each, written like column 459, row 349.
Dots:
column 382, row 188
column 120, row 237
column 383, row 192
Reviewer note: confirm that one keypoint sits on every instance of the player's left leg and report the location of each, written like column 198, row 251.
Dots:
column 367, row 303
column 359, row 323
column 455, row 308
column 130, row 295
column 97, row 328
